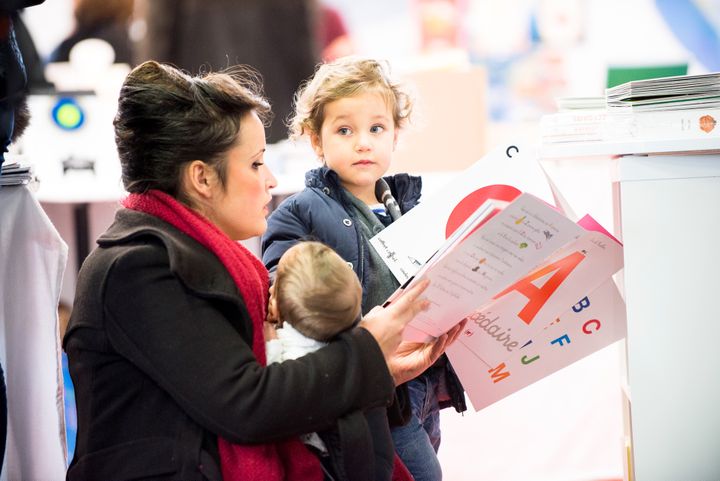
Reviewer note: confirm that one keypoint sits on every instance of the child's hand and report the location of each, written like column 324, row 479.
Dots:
column 269, row 331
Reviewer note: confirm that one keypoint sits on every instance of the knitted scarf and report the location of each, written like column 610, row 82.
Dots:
column 286, row 460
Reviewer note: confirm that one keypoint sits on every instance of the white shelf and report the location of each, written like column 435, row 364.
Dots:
column 627, row 147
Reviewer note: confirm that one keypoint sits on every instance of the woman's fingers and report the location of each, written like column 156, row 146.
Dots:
column 410, row 304
column 387, row 325
column 455, row 331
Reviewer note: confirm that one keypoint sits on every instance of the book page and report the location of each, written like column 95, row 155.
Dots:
column 516, row 315
column 499, row 177
column 490, row 259
column 594, row 322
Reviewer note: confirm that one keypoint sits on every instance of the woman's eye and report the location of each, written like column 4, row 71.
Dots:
column 344, row 131
column 376, row 129
column 256, row 165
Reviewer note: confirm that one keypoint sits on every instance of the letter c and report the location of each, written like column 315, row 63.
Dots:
column 591, row 321
column 507, row 151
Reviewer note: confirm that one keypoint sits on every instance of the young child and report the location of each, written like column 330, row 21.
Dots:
column 352, row 111
column 315, row 297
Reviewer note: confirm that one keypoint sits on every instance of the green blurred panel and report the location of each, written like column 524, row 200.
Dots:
column 620, row 75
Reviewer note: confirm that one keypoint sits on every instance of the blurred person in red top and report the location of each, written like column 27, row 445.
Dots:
column 333, row 36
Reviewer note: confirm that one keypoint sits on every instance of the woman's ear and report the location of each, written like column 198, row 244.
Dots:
column 198, row 179
column 316, row 143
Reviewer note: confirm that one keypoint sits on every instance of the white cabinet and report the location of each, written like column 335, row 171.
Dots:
column 669, row 207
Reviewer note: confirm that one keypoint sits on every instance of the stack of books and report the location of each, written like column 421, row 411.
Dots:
column 16, row 173
column 675, row 112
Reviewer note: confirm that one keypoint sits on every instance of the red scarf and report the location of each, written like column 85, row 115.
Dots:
column 281, row 461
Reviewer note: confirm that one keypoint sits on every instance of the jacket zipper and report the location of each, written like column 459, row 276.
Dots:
column 361, row 243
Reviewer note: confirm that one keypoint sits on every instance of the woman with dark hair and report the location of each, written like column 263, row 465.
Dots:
column 165, row 342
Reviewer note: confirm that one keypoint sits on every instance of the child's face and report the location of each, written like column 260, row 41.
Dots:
column 356, row 140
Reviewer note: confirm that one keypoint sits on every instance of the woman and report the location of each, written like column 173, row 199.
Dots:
column 165, row 342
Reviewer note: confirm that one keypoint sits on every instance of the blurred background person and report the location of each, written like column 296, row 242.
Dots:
column 107, row 20
column 333, row 35
column 276, row 37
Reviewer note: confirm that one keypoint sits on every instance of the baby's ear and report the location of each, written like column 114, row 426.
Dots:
column 272, row 314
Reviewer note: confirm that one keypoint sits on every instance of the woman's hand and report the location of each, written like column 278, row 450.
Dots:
column 412, row 358
column 387, row 325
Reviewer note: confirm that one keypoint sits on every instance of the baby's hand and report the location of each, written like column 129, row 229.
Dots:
column 269, row 331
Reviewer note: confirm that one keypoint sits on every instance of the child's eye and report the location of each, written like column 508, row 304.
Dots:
column 256, row 165
column 344, row 131
column 376, row 129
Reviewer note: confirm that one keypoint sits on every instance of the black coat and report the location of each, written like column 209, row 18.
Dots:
column 159, row 347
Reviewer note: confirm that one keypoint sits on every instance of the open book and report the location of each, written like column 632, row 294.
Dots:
column 520, row 271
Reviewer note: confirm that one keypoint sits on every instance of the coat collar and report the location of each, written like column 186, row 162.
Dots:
column 198, row 268
column 405, row 188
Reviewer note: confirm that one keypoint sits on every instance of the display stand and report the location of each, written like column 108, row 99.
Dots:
column 666, row 213
column 670, row 225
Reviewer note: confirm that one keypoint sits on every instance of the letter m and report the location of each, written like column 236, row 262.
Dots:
column 497, row 374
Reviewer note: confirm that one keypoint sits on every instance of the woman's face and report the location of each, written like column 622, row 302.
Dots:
column 240, row 209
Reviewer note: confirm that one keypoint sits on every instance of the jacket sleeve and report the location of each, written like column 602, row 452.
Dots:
column 187, row 345
column 285, row 229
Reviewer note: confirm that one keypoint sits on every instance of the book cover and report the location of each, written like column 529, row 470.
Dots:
column 642, row 126
column 499, row 177
column 594, row 322
column 513, row 269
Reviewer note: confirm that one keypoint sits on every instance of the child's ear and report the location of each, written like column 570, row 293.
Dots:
column 395, row 138
column 272, row 314
column 316, row 143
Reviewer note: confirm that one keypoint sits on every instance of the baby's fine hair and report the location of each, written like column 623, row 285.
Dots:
column 345, row 77
column 316, row 291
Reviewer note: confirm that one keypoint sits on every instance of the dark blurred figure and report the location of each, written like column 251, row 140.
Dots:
column 107, row 20
column 276, row 37
column 14, row 117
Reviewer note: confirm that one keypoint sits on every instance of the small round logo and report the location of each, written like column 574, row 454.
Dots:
column 707, row 123
column 67, row 114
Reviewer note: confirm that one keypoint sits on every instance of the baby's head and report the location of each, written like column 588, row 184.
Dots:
column 315, row 291
column 352, row 111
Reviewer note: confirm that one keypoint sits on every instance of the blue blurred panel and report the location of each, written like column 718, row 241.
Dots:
column 693, row 30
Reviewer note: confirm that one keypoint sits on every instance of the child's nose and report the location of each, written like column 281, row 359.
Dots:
column 363, row 142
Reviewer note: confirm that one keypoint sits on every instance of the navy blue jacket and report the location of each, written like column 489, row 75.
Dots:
column 324, row 212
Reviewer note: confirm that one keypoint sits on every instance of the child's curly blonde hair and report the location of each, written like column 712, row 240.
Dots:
column 345, row 77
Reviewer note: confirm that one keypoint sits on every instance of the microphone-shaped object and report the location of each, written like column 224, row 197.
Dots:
column 382, row 193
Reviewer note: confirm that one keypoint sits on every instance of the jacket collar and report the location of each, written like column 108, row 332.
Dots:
column 405, row 188
column 198, row 268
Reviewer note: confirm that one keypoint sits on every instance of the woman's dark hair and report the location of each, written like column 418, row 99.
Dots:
column 167, row 118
